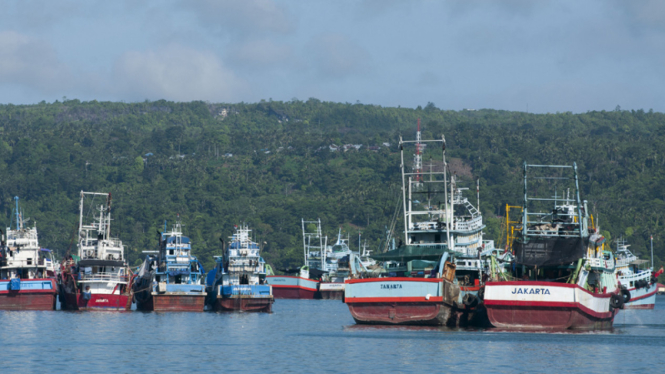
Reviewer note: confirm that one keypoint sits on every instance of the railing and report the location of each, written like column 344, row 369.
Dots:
column 626, row 261
column 24, row 263
column 644, row 274
column 474, row 224
column 103, row 277
column 600, row 263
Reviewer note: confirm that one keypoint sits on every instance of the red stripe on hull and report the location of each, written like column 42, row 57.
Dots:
column 643, row 296
column 435, row 314
column 28, row 300
column 545, row 318
column 100, row 302
column 173, row 303
column 332, row 295
column 417, row 299
column 393, row 279
column 293, row 292
column 244, row 304
column 642, row 306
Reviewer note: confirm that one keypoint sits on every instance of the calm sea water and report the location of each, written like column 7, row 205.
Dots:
column 307, row 336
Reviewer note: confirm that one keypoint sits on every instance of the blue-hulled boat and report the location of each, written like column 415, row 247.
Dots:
column 172, row 279
column 238, row 280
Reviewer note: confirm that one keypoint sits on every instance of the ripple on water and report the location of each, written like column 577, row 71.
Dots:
column 312, row 336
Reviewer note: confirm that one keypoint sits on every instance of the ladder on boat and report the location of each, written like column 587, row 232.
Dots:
column 474, row 212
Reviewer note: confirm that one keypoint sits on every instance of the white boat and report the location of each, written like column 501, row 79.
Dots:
column 639, row 282
column 27, row 274
column 99, row 279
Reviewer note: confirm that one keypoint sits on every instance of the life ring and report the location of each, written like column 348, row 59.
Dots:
column 616, row 301
column 625, row 294
column 470, row 300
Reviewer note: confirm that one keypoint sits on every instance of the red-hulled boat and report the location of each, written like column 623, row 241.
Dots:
column 98, row 278
column 401, row 300
column 563, row 277
column 293, row 286
column 547, row 305
column 27, row 273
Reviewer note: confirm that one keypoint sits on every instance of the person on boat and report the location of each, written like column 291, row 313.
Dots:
column 87, row 295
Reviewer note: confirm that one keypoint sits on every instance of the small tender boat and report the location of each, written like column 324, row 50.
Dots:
column 171, row 280
column 98, row 278
column 641, row 283
column 563, row 277
column 27, row 279
column 238, row 280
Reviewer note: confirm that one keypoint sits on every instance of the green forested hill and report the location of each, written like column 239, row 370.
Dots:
column 163, row 158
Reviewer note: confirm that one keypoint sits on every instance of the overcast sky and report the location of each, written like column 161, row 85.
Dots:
column 546, row 56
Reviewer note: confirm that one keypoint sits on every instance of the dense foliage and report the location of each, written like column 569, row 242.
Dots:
column 270, row 164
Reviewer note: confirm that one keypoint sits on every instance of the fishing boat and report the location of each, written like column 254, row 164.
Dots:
column 171, row 279
column 98, row 278
column 641, row 283
column 301, row 282
column 27, row 276
column 563, row 277
column 333, row 261
column 418, row 285
column 296, row 284
column 238, row 280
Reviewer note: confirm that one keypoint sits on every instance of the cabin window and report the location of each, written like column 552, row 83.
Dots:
column 171, row 252
column 413, row 239
column 29, row 261
column 437, row 238
column 631, row 283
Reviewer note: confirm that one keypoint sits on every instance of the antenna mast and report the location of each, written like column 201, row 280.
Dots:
column 418, row 158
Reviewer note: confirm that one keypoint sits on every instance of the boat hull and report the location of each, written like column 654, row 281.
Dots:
column 35, row 294
column 290, row 287
column 245, row 304
column 555, row 306
column 332, row 290
column 642, row 298
column 97, row 302
column 401, row 301
column 248, row 298
column 172, row 303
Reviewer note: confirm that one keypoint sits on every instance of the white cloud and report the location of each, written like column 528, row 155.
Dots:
column 176, row 73
column 32, row 63
column 262, row 53
column 337, row 56
column 242, row 18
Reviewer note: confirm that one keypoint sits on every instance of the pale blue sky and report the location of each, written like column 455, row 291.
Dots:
column 550, row 55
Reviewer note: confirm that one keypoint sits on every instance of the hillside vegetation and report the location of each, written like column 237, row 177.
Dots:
column 270, row 164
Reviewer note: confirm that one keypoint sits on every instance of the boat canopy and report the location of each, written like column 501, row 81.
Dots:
column 545, row 251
